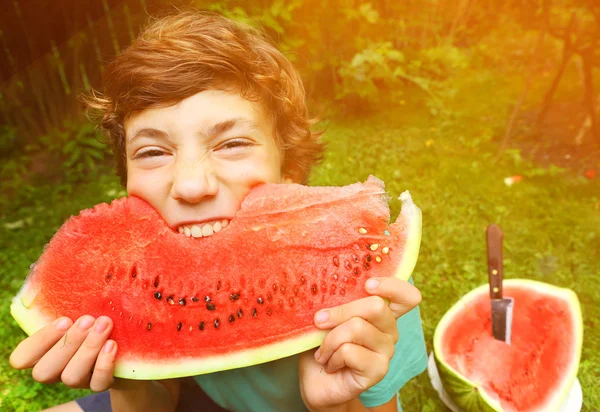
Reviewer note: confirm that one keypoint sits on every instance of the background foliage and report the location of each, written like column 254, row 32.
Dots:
column 444, row 97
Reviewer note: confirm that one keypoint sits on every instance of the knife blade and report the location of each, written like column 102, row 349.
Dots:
column 502, row 307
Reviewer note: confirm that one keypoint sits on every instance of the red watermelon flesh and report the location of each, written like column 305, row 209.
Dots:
column 246, row 295
column 544, row 352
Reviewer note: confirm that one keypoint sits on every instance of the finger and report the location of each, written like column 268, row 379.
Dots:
column 373, row 309
column 367, row 367
column 402, row 295
column 30, row 351
column 77, row 372
column 359, row 332
column 51, row 365
column 102, row 377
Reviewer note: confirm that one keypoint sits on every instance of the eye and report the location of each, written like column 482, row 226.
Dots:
column 149, row 153
column 232, row 144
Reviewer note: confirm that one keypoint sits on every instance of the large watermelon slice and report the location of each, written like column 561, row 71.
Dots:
column 534, row 373
column 246, row 295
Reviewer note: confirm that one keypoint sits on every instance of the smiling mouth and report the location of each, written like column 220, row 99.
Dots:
column 203, row 229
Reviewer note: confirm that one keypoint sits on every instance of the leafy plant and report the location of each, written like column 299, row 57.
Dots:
column 370, row 70
column 78, row 148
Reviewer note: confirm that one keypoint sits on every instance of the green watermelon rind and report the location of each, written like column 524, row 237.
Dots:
column 31, row 321
column 413, row 214
column 469, row 395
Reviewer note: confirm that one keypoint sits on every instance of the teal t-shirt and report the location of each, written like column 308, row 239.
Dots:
column 274, row 386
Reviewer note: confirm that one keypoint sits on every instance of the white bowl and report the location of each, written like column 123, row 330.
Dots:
column 572, row 403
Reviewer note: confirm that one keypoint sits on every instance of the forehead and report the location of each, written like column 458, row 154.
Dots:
column 207, row 112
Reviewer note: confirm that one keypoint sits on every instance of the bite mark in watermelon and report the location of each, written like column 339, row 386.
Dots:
column 534, row 373
column 183, row 306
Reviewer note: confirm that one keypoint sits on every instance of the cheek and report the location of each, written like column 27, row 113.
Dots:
column 146, row 184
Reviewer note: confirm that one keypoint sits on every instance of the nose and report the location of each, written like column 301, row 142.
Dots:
column 193, row 182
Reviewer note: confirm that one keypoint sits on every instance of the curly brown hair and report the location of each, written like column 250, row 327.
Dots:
column 182, row 54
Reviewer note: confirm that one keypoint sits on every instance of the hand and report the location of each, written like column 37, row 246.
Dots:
column 356, row 353
column 78, row 354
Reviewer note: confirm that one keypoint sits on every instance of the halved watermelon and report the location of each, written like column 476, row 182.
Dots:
column 246, row 295
column 534, row 373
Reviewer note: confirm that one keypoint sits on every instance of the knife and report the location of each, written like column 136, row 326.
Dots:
column 502, row 307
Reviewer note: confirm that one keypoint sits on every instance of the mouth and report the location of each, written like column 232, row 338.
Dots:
column 203, row 229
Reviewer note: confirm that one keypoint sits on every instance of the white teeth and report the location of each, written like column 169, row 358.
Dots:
column 207, row 230
column 196, row 231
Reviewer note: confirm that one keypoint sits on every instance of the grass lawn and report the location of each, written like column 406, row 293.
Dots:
column 551, row 221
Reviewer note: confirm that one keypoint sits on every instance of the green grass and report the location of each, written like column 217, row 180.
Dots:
column 551, row 221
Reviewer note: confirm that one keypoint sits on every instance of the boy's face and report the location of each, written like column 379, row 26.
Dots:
column 195, row 161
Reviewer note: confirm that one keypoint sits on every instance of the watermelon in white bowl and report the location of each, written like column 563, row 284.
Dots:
column 472, row 371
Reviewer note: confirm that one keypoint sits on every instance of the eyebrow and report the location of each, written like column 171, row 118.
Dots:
column 212, row 131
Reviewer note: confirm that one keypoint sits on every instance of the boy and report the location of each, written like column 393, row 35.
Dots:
column 200, row 110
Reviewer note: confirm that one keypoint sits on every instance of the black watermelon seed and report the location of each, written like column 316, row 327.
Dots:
column 156, row 282
column 368, row 258
column 170, row 300
column 231, row 318
column 195, row 299
column 157, row 295
column 210, row 306
column 207, row 299
column 149, row 326
column 178, row 326
column 240, row 313
column 336, row 261
column 234, row 296
column 201, row 326
column 356, row 272
column 254, row 312
column 367, row 265
column 219, row 285
column 182, row 302
column 355, row 258
column 216, row 323
column 260, row 300
column 133, row 274
column 108, row 276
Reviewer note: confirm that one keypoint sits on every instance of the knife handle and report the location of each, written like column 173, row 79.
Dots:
column 494, row 255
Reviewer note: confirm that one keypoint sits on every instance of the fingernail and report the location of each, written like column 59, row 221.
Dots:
column 62, row 324
column 101, row 325
column 372, row 284
column 322, row 316
column 85, row 323
column 109, row 346
column 318, row 354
